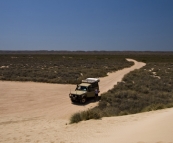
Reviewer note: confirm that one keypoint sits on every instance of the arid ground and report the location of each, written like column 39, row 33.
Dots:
column 40, row 112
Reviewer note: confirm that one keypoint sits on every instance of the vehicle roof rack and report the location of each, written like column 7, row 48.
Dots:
column 90, row 80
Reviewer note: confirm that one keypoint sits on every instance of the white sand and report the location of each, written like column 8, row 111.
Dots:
column 38, row 113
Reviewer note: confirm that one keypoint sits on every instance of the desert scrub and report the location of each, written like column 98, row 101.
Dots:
column 85, row 115
column 149, row 88
column 58, row 68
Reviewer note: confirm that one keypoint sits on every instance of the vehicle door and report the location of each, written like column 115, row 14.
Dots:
column 91, row 92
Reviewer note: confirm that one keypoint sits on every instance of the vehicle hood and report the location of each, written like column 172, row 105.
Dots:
column 78, row 92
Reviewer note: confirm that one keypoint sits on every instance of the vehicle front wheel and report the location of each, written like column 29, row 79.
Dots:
column 72, row 100
column 83, row 100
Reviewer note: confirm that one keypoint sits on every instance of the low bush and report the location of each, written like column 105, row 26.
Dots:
column 85, row 115
column 71, row 68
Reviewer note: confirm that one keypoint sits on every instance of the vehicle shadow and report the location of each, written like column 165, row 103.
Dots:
column 89, row 100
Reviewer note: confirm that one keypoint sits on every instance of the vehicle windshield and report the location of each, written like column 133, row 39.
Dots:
column 83, row 88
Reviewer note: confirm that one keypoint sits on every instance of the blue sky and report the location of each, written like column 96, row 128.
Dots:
column 118, row 25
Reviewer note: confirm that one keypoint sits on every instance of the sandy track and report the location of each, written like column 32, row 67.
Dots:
column 39, row 112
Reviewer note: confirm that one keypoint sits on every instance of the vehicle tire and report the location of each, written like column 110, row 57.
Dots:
column 83, row 100
column 96, row 97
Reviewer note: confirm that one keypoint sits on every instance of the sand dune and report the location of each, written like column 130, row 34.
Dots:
column 40, row 112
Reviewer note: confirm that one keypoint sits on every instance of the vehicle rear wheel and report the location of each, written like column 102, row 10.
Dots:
column 83, row 100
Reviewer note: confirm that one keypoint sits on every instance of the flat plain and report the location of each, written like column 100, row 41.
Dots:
column 40, row 112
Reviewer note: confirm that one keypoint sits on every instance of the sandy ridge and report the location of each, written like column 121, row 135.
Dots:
column 39, row 113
